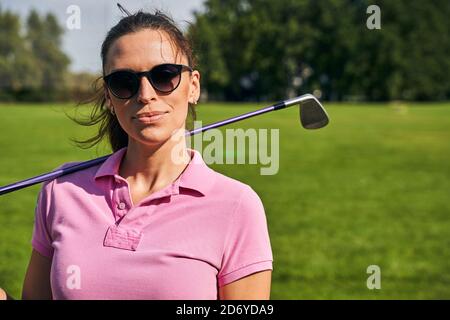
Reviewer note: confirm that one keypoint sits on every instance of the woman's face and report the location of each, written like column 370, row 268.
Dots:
column 141, row 51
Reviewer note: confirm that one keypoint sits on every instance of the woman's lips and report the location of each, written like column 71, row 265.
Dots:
column 150, row 117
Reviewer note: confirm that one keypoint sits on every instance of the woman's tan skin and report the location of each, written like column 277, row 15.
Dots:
column 36, row 285
column 147, row 165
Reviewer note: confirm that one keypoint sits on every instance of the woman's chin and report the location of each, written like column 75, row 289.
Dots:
column 152, row 136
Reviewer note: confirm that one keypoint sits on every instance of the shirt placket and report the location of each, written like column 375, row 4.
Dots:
column 126, row 233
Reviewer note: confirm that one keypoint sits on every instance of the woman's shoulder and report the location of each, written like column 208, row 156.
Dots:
column 65, row 182
column 239, row 197
column 78, row 176
column 89, row 171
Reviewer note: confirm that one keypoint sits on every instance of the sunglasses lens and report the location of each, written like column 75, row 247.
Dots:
column 123, row 84
column 166, row 77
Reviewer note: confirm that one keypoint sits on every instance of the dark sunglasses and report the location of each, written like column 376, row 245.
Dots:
column 164, row 78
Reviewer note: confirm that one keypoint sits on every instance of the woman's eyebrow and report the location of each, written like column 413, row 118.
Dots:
column 133, row 70
column 122, row 69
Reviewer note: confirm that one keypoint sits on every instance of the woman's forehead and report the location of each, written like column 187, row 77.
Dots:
column 142, row 50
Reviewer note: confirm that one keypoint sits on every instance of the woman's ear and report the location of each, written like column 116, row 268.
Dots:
column 107, row 99
column 108, row 103
column 194, row 93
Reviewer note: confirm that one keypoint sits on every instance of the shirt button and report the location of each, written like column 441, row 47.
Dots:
column 122, row 206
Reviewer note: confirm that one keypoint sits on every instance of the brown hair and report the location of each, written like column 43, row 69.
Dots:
column 109, row 126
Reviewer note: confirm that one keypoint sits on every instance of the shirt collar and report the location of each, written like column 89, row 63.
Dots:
column 197, row 175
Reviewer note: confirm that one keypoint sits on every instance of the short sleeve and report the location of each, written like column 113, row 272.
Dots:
column 247, row 246
column 41, row 239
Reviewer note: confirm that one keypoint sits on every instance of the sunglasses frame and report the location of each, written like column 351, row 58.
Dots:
column 147, row 74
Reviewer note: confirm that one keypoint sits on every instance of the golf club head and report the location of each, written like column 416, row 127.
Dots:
column 312, row 113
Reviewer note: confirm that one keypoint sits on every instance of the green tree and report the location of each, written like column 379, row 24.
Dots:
column 17, row 64
column 44, row 37
column 263, row 49
column 32, row 65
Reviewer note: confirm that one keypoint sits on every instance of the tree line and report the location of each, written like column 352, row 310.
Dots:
column 265, row 49
column 33, row 66
column 251, row 50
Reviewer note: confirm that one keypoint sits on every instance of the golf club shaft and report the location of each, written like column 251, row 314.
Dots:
column 83, row 165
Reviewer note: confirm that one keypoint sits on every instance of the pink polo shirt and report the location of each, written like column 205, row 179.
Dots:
column 203, row 231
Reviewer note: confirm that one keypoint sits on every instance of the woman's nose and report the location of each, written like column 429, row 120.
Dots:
column 146, row 91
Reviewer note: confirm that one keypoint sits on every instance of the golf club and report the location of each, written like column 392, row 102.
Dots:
column 312, row 116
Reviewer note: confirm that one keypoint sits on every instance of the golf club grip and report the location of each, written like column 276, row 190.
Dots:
column 51, row 175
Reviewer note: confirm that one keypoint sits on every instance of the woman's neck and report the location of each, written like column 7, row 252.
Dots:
column 151, row 168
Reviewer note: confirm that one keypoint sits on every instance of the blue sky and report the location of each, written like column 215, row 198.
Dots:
column 96, row 18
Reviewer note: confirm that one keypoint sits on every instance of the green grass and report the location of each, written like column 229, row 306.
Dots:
column 371, row 188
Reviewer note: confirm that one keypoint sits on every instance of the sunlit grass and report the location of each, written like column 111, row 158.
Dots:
column 371, row 188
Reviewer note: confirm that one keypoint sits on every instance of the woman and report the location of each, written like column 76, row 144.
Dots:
column 144, row 224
